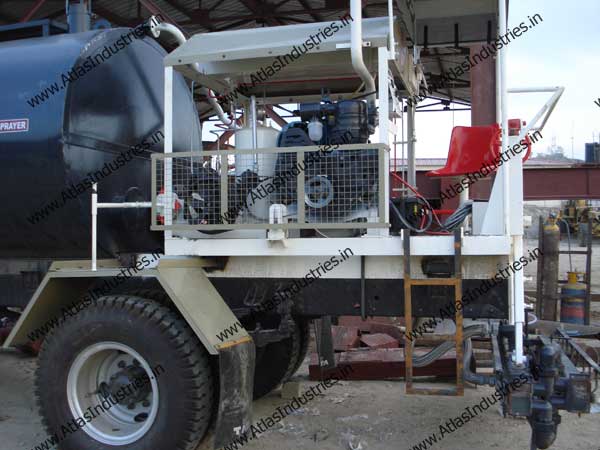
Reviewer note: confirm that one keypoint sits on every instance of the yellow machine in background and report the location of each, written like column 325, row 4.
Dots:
column 577, row 213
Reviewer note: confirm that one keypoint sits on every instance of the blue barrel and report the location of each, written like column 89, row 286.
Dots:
column 572, row 301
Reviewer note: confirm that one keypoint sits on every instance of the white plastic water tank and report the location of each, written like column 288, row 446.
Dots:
column 261, row 163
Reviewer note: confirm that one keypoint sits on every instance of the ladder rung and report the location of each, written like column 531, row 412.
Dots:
column 433, row 281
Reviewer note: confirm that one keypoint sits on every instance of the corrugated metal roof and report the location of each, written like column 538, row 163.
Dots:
column 200, row 16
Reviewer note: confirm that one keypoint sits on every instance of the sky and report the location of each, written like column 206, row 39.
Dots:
column 560, row 51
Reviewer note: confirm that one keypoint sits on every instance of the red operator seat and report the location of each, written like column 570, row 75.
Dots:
column 471, row 149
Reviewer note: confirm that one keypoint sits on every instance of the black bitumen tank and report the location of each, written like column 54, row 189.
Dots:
column 53, row 147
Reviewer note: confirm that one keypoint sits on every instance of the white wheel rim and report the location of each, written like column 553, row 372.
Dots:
column 89, row 381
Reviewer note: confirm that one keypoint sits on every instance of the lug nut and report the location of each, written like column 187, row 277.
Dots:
column 121, row 364
column 146, row 403
column 131, row 406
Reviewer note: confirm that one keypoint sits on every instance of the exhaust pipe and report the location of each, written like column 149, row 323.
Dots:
column 156, row 28
column 356, row 44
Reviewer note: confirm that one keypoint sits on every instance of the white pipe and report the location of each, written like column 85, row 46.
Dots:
column 356, row 44
column 392, row 42
column 502, row 18
column 125, row 205
column 519, row 301
column 156, row 29
column 526, row 90
column 94, row 225
column 253, row 121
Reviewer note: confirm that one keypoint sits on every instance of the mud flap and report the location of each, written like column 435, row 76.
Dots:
column 236, row 380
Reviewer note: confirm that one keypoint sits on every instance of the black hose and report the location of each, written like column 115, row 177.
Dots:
column 407, row 224
column 458, row 216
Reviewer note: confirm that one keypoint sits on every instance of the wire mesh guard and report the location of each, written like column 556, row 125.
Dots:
column 339, row 188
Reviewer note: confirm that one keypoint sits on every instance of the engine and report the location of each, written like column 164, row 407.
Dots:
column 340, row 185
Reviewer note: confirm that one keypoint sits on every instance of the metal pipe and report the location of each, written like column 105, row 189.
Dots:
column 502, row 21
column 125, row 205
column 356, row 44
column 94, row 226
column 156, row 28
column 519, row 301
column 253, row 121
column 411, row 152
column 392, row 42
column 78, row 16
column 363, row 289
column 534, row 89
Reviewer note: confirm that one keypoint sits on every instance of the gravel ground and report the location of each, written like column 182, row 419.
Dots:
column 366, row 415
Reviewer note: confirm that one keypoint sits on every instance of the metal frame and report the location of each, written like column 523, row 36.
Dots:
column 383, row 214
column 507, row 195
column 456, row 282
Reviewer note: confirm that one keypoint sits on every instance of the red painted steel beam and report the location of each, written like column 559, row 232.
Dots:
column 276, row 117
column 157, row 11
column 569, row 183
column 539, row 183
column 37, row 5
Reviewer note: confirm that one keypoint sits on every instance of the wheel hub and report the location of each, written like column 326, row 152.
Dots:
column 126, row 381
column 117, row 378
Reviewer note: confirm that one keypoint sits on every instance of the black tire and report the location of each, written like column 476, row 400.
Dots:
column 158, row 295
column 278, row 361
column 185, row 391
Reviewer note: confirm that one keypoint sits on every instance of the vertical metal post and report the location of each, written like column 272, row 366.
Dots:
column 253, row 121
column 408, row 342
column 78, row 16
column 384, row 131
column 168, row 148
column 539, row 304
column 502, row 60
column 411, row 138
column 588, row 272
column 94, row 226
column 392, row 42
column 224, row 181
column 300, row 189
column 519, row 301
column 458, row 317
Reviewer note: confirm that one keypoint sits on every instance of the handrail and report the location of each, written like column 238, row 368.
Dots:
column 95, row 207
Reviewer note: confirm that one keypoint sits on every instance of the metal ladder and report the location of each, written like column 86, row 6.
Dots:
column 456, row 281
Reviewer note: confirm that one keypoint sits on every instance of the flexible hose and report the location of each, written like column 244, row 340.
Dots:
column 458, row 216
column 407, row 224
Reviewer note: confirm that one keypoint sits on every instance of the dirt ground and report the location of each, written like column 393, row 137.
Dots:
column 358, row 415
column 365, row 415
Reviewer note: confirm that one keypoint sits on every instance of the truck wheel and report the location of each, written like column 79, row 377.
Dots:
column 278, row 361
column 125, row 373
column 159, row 296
